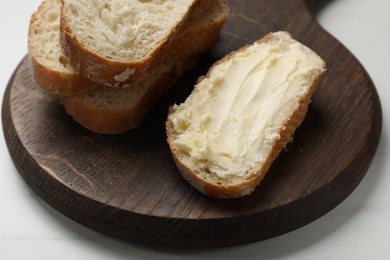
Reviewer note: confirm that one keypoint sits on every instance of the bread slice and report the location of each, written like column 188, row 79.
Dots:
column 50, row 67
column 114, row 42
column 115, row 111
column 238, row 118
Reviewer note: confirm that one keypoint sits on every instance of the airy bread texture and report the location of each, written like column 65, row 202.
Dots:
column 114, row 42
column 50, row 67
column 114, row 111
column 239, row 117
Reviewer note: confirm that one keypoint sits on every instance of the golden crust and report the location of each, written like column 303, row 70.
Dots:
column 58, row 82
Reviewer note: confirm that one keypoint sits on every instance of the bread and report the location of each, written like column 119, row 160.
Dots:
column 114, row 42
column 50, row 67
column 114, row 111
column 239, row 117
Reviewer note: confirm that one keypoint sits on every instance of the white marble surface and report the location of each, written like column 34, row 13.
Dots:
column 359, row 228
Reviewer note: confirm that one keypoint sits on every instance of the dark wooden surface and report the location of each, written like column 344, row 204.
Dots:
column 127, row 186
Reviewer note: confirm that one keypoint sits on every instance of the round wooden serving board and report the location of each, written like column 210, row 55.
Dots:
column 128, row 186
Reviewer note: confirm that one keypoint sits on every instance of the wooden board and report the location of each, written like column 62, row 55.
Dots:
column 127, row 186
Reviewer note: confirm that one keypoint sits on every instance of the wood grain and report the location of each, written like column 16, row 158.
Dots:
column 127, row 186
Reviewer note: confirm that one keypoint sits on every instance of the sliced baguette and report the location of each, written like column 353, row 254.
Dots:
column 52, row 69
column 114, row 42
column 239, row 117
column 114, row 111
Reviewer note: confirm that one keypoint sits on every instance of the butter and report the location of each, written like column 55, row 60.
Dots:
column 232, row 119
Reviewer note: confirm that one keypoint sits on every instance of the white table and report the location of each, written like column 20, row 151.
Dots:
column 359, row 228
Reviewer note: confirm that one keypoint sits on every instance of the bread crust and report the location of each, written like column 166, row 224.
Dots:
column 247, row 185
column 58, row 82
column 104, row 70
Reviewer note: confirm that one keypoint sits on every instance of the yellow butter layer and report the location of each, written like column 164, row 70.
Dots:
column 232, row 119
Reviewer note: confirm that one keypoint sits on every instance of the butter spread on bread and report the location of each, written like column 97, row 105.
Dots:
column 238, row 118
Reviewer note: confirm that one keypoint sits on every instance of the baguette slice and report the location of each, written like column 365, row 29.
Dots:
column 238, row 118
column 115, row 111
column 114, row 42
column 50, row 67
